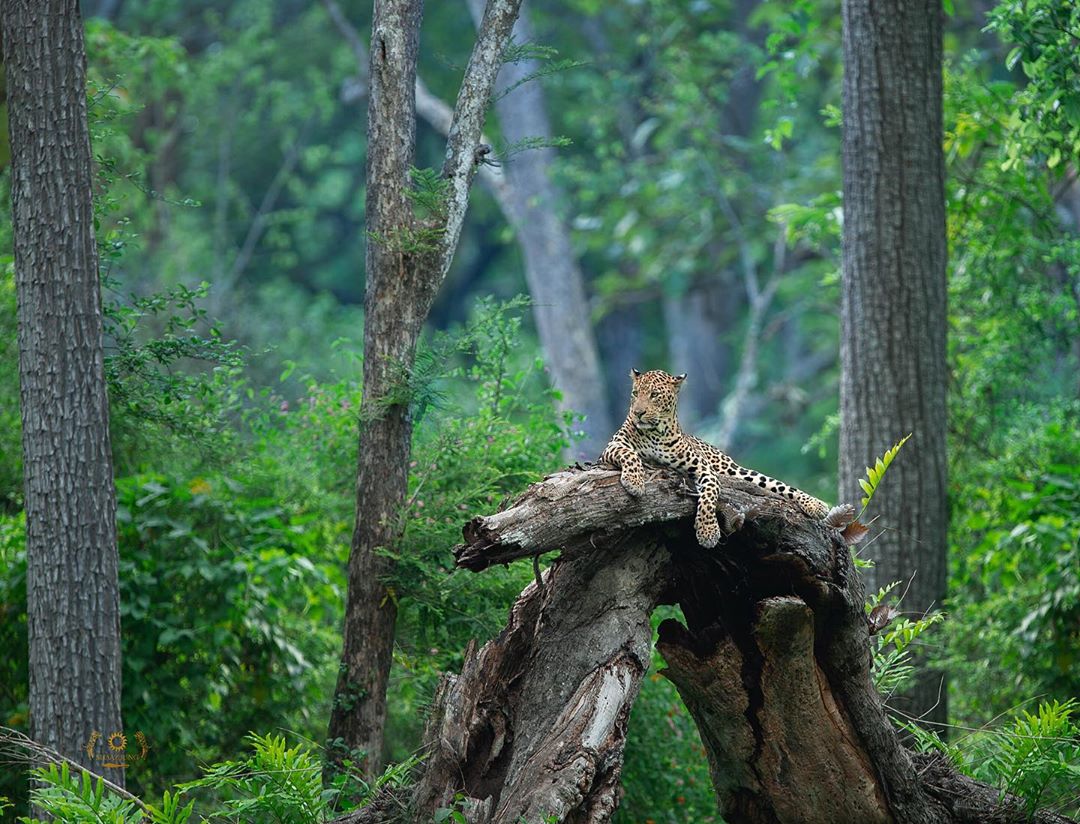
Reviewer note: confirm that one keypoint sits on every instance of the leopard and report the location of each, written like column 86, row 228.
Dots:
column 651, row 433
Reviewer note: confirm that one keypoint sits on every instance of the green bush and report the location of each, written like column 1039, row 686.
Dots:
column 229, row 617
column 1015, row 584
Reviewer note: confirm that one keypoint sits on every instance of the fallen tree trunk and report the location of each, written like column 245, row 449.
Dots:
column 773, row 663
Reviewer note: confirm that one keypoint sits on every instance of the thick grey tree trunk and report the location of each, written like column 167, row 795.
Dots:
column 407, row 259
column 773, row 663
column 72, row 593
column 893, row 308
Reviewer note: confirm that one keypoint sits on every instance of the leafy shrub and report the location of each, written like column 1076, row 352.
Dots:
column 229, row 620
column 230, row 613
column 1036, row 759
column 1016, row 573
column 275, row 782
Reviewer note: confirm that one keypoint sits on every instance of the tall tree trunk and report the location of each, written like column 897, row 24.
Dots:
column 72, row 593
column 556, row 284
column 407, row 260
column 893, row 309
column 620, row 338
column 395, row 306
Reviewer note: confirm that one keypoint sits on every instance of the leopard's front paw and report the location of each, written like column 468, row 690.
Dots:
column 633, row 482
column 707, row 531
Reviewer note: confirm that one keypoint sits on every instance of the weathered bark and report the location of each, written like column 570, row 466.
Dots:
column 773, row 663
column 407, row 260
column 72, row 593
column 535, row 725
column 893, row 360
column 394, row 311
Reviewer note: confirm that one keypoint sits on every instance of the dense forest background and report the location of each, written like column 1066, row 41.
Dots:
column 693, row 161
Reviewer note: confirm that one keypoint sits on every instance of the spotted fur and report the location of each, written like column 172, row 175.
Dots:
column 651, row 433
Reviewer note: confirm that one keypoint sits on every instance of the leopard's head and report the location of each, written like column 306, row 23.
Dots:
column 653, row 401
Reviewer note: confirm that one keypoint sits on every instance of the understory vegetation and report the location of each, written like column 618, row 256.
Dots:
column 233, row 321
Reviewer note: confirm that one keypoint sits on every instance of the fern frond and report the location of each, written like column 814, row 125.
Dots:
column 875, row 473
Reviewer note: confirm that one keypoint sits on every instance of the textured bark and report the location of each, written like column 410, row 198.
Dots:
column 773, row 663
column 71, row 579
column 395, row 305
column 893, row 307
column 407, row 259
column 535, row 724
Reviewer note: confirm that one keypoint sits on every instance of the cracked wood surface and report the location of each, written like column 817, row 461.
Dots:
column 773, row 663
column 568, row 509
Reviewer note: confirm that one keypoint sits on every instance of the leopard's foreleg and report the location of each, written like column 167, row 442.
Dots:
column 706, row 527
column 621, row 454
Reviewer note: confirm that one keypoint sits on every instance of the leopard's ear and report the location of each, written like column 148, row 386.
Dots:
column 679, row 378
column 634, row 374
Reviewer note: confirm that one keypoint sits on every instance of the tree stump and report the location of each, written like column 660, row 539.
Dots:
column 773, row 663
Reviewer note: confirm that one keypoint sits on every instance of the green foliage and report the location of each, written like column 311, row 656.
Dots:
column 1016, row 569
column 544, row 56
column 230, row 613
column 275, row 783
column 1046, row 120
column 1040, row 759
column 156, row 404
column 428, row 194
column 11, row 480
column 79, row 799
column 875, row 473
column 1036, row 759
column 892, row 647
column 1013, row 415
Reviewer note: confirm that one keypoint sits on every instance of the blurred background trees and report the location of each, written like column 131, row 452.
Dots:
column 700, row 185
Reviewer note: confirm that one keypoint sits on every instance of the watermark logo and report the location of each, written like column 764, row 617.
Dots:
column 112, row 750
